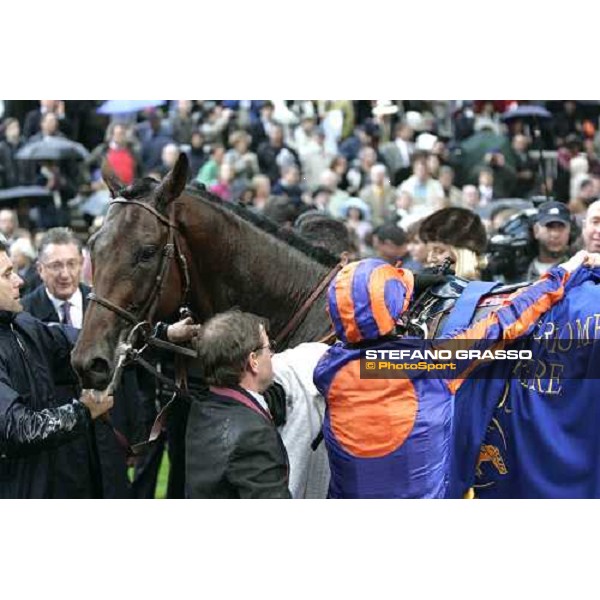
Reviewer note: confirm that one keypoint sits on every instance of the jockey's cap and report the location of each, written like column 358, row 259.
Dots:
column 366, row 298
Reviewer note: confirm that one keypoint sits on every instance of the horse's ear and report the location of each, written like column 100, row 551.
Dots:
column 110, row 178
column 173, row 184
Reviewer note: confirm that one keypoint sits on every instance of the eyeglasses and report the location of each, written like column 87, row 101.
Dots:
column 57, row 267
column 271, row 347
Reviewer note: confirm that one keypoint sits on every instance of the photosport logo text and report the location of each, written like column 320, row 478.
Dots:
column 449, row 363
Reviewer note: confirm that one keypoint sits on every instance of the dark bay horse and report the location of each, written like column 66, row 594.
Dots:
column 223, row 254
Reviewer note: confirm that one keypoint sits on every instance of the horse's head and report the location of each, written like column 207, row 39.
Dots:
column 139, row 271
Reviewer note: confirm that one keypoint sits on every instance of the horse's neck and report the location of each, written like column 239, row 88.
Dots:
column 249, row 269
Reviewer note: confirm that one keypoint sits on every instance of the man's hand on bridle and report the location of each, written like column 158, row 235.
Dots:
column 183, row 331
column 97, row 402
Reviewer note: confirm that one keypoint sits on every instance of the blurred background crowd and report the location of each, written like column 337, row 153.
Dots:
column 374, row 169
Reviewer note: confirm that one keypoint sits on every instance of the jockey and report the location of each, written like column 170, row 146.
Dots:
column 389, row 438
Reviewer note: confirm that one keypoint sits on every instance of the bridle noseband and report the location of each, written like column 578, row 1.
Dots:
column 171, row 249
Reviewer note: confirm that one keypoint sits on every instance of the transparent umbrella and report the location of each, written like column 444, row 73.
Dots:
column 115, row 107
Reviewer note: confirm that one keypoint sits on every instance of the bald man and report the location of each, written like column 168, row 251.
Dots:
column 591, row 228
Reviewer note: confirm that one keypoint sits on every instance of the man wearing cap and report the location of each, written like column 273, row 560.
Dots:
column 456, row 234
column 389, row 437
column 552, row 231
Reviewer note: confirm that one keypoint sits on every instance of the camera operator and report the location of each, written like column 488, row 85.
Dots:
column 552, row 230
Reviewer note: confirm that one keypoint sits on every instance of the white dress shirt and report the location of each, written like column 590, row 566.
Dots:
column 76, row 308
column 260, row 399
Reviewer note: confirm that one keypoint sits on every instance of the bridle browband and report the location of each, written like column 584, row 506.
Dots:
column 171, row 249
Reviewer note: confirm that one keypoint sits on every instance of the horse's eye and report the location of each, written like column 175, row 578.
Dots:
column 147, row 252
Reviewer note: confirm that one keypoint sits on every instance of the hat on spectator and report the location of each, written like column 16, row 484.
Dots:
column 425, row 142
column 482, row 123
column 414, row 120
column 458, row 227
column 359, row 204
column 369, row 127
column 553, row 212
column 384, row 107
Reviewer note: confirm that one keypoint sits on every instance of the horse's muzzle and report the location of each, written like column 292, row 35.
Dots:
column 94, row 373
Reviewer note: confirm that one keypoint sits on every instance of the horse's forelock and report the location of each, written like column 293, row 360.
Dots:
column 139, row 190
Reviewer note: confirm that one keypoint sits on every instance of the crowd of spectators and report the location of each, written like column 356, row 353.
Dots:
column 379, row 167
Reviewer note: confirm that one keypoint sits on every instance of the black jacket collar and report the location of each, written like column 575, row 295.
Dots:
column 7, row 317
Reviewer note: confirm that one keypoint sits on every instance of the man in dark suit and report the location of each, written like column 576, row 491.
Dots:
column 33, row 119
column 94, row 464
column 233, row 449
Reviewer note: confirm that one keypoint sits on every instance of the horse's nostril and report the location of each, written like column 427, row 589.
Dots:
column 99, row 366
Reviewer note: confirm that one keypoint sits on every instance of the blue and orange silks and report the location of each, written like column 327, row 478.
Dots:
column 366, row 298
column 390, row 438
column 537, row 435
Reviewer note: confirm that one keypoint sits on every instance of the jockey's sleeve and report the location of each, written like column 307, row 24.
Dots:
column 509, row 322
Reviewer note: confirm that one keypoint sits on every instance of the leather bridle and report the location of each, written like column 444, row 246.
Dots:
column 142, row 323
column 171, row 249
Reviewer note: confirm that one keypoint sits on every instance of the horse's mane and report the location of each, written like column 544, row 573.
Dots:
column 143, row 188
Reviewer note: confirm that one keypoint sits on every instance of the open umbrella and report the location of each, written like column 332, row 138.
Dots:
column 115, row 107
column 37, row 193
column 475, row 147
column 53, row 148
column 527, row 112
column 26, row 199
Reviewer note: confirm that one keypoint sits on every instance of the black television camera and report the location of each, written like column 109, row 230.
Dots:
column 512, row 248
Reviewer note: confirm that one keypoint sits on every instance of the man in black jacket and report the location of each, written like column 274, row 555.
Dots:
column 33, row 356
column 61, row 295
column 93, row 464
column 233, row 449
